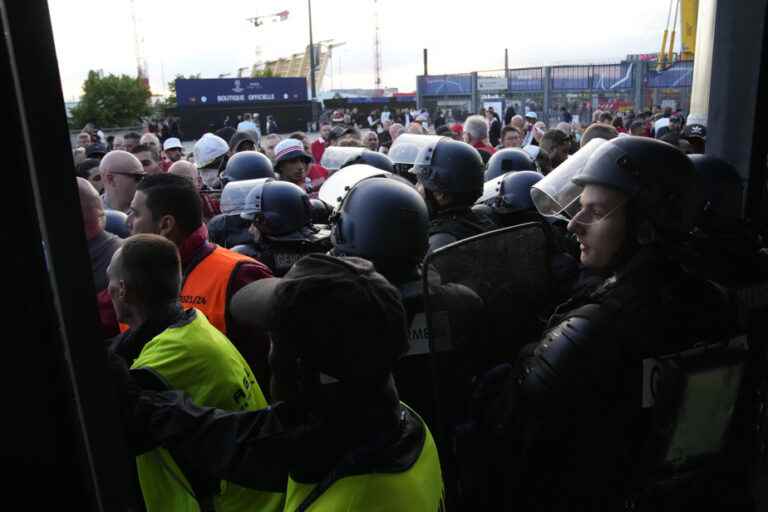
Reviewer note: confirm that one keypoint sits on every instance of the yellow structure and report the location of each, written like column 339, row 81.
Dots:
column 689, row 12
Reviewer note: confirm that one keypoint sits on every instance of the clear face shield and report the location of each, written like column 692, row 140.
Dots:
column 234, row 194
column 252, row 206
column 407, row 147
column 333, row 190
column 557, row 195
column 334, row 157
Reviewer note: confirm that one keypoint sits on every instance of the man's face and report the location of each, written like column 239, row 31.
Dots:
column 269, row 148
column 118, row 143
column 559, row 154
column 372, row 141
column 123, row 186
column 150, row 166
column 130, row 143
column 324, row 131
column 95, row 178
column 116, row 287
column 511, row 139
column 140, row 217
column 600, row 226
column 294, row 170
column 83, row 140
column 173, row 154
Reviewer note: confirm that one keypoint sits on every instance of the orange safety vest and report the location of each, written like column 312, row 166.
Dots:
column 206, row 287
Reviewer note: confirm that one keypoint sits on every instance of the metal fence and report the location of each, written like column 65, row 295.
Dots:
column 581, row 89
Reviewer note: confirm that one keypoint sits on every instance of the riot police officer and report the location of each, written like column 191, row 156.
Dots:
column 228, row 229
column 450, row 178
column 573, row 421
column 508, row 160
column 280, row 225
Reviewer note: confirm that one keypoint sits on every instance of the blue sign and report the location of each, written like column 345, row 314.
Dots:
column 445, row 85
column 239, row 91
column 531, row 79
column 679, row 74
column 571, row 78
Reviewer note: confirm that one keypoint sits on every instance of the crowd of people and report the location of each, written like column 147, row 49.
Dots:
column 264, row 304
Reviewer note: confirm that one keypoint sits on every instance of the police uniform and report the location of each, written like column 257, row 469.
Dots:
column 453, row 224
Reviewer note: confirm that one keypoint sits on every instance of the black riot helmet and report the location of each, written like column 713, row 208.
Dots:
column 117, row 223
column 659, row 179
column 515, row 191
column 372, row 158
column 247, row 165
column 507, row 160
column 277, row 208
column 384, row 220
column 451, row 167
column 320, row 211
column 722, row 190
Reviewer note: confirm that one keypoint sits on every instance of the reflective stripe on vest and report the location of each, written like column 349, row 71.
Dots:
column 419, row 489
column 206, row 287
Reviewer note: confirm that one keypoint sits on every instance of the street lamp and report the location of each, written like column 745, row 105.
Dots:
column 311, row 53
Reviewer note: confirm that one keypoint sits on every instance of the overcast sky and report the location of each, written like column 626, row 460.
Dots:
column 214, row 37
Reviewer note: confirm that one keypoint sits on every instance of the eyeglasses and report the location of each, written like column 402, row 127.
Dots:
column 136, row 176
column 588, row 216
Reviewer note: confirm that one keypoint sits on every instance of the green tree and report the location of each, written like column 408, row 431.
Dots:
column 263, row 73
column 170, row 101
column 111, row 101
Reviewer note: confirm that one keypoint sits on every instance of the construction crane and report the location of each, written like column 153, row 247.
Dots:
column 138, row 48
column 688, row 11
column 376, row 47
column 259, row 20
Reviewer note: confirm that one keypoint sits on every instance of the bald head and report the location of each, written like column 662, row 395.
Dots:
column 91, row 209
column 120, row 162
column 564, row 127
column 186, row 170
column 396, row 130
column 517, row 121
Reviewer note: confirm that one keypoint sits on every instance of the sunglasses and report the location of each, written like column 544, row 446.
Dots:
column 136, row 176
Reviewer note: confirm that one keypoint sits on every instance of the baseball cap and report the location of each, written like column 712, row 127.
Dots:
column 289, row 149
column 209, row 148
column 172, row 143
column 95, row 150
column 357, row 329
column 694, row 130
column 240, row 137
column 531, row 115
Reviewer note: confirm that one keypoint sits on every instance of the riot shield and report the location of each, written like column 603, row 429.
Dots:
column 407, row 147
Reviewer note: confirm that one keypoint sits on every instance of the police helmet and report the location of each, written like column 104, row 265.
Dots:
column 384, row 220
column 320, row 211
column 451, row 167
column 278, row 207
column 507, row 160
column 722, row 190
column 247, row 165
column 117, row 223
column 659, row 179
column 372, row 158
column 515, row 191
column 234, row 194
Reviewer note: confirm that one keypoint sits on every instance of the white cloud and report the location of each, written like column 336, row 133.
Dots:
column 213, row 37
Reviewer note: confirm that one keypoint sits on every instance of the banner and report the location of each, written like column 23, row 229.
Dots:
column 239, row 91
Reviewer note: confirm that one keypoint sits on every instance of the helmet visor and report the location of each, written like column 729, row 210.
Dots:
column 408, row 146
column 333, row 190
column 556, row 195
column 233, row 195
column 334, row 157
column 252, row 204
column 491, row 190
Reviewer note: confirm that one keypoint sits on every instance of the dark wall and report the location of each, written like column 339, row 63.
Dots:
column 195, row 121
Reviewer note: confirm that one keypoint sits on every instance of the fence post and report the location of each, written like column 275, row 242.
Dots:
column 547, row 86
column 638, row 89
column 473, row 90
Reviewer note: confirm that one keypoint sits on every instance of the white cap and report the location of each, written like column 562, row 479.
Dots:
column 172, row 143
column 209, row 148
column 531, row 114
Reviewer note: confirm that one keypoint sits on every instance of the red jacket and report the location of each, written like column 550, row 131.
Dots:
column 318, row 148
column 482, row 146
column 318, row 174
